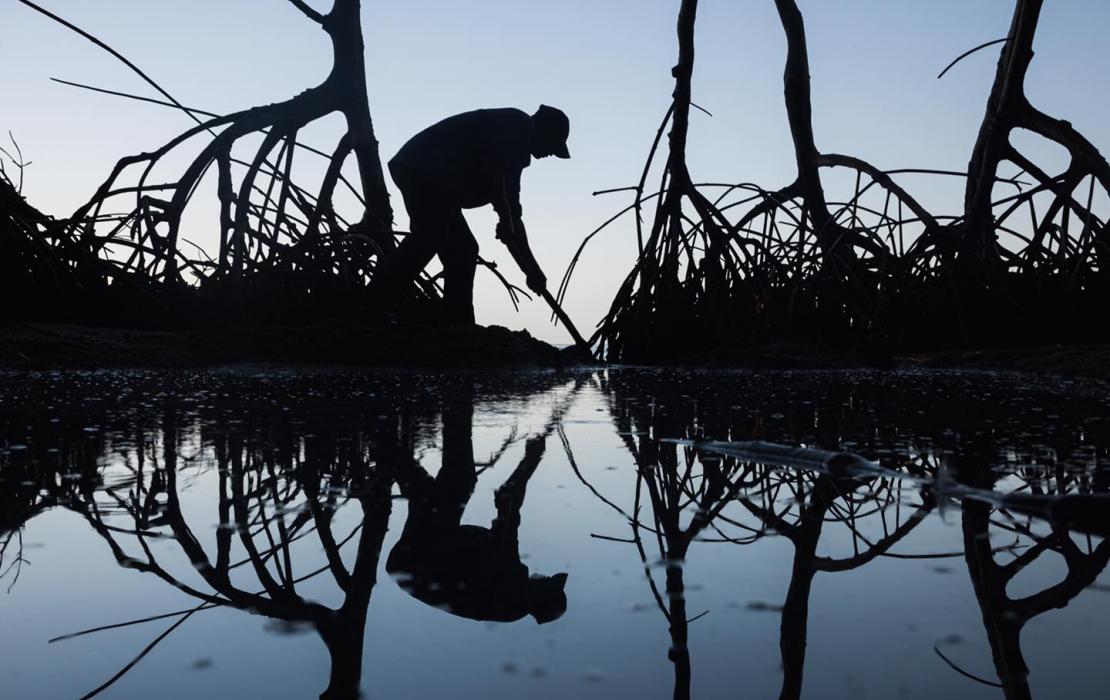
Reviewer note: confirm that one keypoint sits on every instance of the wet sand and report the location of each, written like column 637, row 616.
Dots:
column 57, row 346
column 60, row 346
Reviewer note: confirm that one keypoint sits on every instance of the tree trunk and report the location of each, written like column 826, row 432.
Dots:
column 799, row 112
column 1004, row 108
column 344, row 26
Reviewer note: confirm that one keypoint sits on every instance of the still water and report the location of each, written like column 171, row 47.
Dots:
column 263, row 533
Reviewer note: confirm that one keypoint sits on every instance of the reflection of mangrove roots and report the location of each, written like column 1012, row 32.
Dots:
column 269, row 497
column 737, row 493
column 1004, row 617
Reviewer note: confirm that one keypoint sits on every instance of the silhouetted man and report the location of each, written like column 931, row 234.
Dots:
column 468, row 570
column 463, row 162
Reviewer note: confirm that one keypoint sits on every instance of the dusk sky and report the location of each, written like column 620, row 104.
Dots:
column 605, row 62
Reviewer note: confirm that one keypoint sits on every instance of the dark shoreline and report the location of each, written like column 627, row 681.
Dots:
column 38, row 346
column 31, row 346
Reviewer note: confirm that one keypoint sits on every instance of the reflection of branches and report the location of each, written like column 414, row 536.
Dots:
column 693, row 487
column 497, row 454
column 40, row 468
column 1004, row 617
column 671, row 489
column 687, row 491
column 817, row 506
column 819, row 498
column 15, row 565
column 268, row 497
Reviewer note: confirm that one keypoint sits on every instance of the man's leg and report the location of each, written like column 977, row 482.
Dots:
column 459, row 253
column 457, row 477
column 509, row 497
column 427, row 221
column 415, row 252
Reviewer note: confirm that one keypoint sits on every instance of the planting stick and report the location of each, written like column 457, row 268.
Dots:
column 512, row 244
column 583, row 346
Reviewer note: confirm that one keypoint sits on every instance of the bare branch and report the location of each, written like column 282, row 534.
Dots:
column 308, row 11
column 965, row 54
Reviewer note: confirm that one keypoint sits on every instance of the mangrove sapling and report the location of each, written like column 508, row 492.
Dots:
column 267, row 223
column 878, row 271
column 685, row 264
column 723, row 281
column 1009, row 109
column 1058, row 262
column 40, row 256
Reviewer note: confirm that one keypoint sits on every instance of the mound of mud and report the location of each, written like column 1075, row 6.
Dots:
column 43, row 346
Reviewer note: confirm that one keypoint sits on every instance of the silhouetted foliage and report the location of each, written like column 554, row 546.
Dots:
column 284, row 247
column 717, row 266
column 877, row 271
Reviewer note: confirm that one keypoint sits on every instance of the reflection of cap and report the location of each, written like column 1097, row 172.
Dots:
column 553, row 127
column 547, row 601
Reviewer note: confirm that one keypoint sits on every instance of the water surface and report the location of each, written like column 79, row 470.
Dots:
column 251, row 533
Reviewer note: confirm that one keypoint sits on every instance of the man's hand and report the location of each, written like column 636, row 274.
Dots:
column 511, row 233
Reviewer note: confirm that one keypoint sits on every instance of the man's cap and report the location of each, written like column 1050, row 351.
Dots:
column 547, row 600
column 554, row 128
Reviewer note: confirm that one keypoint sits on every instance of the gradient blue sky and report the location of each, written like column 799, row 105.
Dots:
column 605, row 62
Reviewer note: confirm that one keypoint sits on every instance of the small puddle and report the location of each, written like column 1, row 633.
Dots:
column 595, row 534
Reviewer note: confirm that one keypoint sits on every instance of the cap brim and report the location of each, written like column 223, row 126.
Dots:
column 561, row 151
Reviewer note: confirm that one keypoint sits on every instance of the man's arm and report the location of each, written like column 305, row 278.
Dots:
column 511, row 231
column 506, row 202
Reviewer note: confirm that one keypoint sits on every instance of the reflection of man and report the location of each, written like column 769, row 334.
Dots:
column 467, row 161
column 470, row 571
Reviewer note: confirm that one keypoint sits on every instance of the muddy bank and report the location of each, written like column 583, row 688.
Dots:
column 43, row 346
column 1062, row 360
